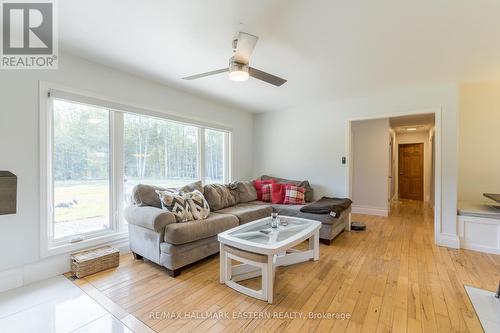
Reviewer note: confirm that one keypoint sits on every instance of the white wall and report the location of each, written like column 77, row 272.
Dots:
column 309, row 141
column 418, row 137
column 370, row 166
column 19, row 149
column 479, row 141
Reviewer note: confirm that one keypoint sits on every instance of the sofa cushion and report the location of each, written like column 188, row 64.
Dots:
column 185, row 249
column 248, row 212
column 215, row 223
column 221, row 196
column 302, row 183
column 294, row 211
column 197, row 185
column 247, row 191
column 145, row 195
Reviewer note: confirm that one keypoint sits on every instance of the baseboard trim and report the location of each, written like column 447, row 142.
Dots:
column 43, row 269
column 479, row 233
column 448, row 240
column 367, row 210
column 475, row 247
column 11, row 278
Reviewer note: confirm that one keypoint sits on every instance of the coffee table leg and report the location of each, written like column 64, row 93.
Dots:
column 222, row 263
column 314, row 245
column 270, row 279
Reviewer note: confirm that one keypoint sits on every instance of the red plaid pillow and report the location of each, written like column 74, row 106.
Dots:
column 278, row 193
column 258, row 186
column 266, row 192
column 294, row 195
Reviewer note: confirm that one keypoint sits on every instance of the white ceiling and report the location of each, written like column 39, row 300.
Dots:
column 422, row 122
column 327, row 49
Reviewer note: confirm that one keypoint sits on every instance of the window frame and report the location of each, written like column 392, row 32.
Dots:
column 118, row 230
column 112, row 168
column 227, row 162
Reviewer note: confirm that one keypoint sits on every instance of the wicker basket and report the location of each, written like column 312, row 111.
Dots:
column 93, row 261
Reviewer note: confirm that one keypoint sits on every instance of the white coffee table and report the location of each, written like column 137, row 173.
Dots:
column 261, row 249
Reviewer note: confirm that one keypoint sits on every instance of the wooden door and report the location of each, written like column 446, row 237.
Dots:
column 411, row 171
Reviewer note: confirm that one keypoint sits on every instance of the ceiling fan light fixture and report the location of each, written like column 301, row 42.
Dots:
column 239, row 69
column 238, row 72
column 239, row 76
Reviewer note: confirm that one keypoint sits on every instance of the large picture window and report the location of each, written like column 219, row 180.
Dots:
column 215, row 156
column 95, row 152
column 80, row 169
column 159, row 152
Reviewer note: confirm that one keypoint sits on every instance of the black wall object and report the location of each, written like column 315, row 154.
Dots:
column 8, row 193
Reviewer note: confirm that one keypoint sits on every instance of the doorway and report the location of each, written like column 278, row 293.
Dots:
column 411, row 171
column 404, row 128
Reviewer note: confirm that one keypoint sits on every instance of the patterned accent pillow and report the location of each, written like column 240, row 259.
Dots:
column 177, row 203
column 294, row 195
column 278, row 193
column 199, row 205
column 267, row 189
column 258, row 186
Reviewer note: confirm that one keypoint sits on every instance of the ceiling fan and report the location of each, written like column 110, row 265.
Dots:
column 239, row 69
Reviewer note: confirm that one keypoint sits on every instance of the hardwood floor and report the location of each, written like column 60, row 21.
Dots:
column 390, row 277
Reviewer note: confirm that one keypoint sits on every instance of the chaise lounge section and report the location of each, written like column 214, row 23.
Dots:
column 155, row 235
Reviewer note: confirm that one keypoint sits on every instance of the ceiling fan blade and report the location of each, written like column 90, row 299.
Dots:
column 197, row 76
column 266, row 77
column 245, row 43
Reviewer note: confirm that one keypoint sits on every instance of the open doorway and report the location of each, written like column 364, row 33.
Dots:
column 395, row 159
column 413, row 162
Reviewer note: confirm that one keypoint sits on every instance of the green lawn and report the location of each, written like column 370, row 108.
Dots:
column 92, row 200
column 92, row 197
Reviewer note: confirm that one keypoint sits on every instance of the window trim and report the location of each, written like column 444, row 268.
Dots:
column 118, row 229
column 227, row 154
column 119, row 106
column 114, row 225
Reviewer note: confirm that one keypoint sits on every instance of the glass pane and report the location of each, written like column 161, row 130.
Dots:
column 80, row 169
column 158, row 152
column 262, row 233
column 214, row 156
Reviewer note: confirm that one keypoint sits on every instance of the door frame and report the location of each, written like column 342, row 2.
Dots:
column 437, row 165
column 422, row 166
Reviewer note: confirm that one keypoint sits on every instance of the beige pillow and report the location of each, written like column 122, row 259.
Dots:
column 146, row 195
column 197, row 185
column 247, row 191
column 220, row 196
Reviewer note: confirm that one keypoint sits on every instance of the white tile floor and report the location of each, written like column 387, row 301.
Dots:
column 487, row 308
column 54, row 305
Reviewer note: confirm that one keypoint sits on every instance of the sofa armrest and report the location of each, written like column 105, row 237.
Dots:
column 149, row 217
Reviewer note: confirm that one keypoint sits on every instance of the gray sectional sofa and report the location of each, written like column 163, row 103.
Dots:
column 155, row 235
